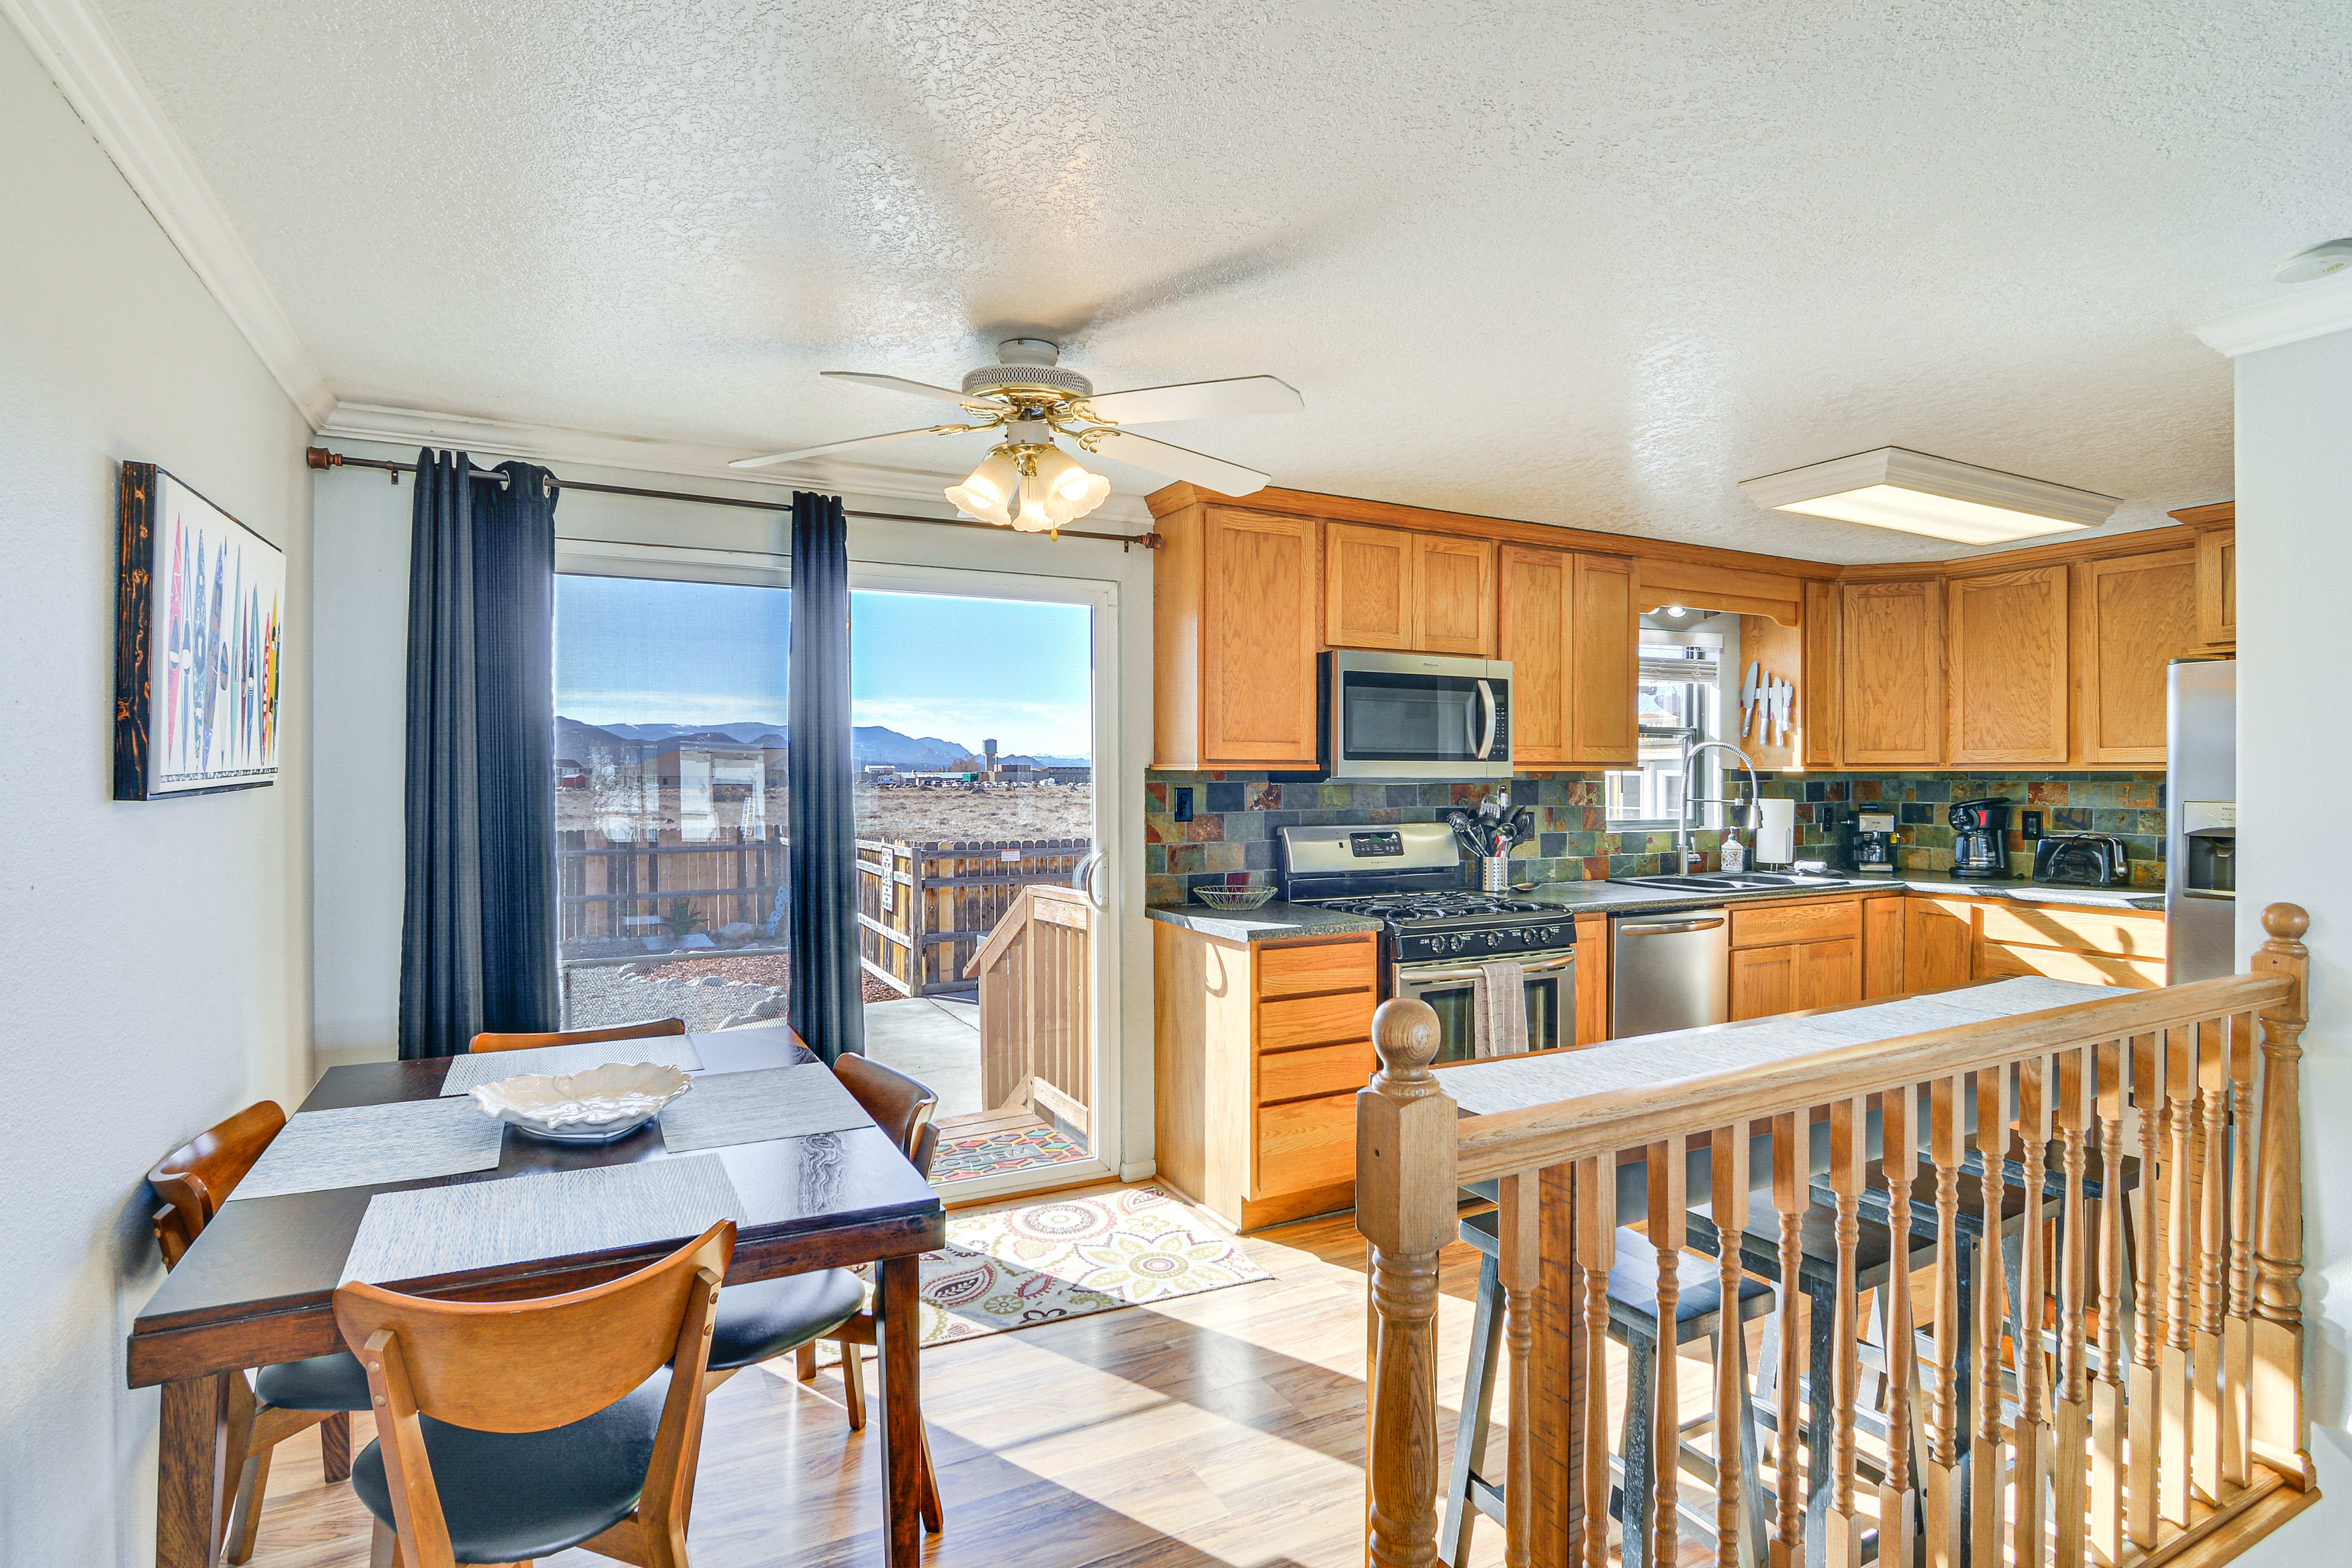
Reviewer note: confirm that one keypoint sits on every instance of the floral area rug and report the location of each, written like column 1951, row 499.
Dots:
column 995, row 1153
column 1066, row 1258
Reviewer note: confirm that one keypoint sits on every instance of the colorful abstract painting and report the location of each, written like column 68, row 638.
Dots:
column 200, row 644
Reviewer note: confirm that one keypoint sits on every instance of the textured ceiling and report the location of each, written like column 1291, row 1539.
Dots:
column 1584, row 264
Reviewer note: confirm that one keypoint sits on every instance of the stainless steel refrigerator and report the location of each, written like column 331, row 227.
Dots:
column 2201, row 819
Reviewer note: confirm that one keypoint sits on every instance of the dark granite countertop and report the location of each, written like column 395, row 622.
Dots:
column 1274, row 921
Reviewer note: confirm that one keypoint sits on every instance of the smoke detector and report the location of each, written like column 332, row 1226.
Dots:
column 2315, row 262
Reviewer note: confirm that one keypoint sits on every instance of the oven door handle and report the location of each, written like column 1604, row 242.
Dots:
column 1486, row 706
column 1411, row 976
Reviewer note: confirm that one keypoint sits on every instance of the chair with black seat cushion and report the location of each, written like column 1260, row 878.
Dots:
column 1633, row 1323
column 512, row 1430
column 578, row 1036
column 768, row 1318
column 194, row 1180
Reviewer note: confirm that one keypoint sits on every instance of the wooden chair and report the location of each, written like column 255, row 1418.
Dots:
column 194, row 1180
column 765, row 1318
column 511, row 1430
column 578, row 1036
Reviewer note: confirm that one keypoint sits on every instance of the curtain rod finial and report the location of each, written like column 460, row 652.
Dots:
column 319, row 458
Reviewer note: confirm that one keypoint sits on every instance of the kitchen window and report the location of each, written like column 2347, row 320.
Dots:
column 1678, row 703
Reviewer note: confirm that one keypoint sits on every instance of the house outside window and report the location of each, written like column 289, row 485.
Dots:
column 1678, row 703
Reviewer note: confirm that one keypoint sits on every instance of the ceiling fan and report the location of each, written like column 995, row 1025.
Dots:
column 1029, row 483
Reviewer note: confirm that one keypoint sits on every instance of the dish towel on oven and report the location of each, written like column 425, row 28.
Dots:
column 1498, row 1010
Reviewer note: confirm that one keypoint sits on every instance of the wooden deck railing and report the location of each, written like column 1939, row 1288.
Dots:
column 1036, row 1006
column 923, row 910
column 2142, row 1403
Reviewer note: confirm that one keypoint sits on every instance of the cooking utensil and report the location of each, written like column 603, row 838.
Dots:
column 1749, row 692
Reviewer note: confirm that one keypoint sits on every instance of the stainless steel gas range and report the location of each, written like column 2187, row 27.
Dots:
column 1435, row 933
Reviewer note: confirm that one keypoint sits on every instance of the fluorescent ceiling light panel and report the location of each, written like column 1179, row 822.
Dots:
column 1911, row 492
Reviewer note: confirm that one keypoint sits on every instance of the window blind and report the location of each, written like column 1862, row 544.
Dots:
column 1675, row 662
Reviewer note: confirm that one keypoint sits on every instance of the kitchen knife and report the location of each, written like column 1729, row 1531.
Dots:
column 1780, row 713
column 1748, row 696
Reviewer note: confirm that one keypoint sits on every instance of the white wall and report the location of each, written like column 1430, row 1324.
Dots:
column 156, row 975
column 361, row 583
column 2294, row 559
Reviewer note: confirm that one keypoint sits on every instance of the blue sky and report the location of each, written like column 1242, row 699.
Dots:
column 631, row 651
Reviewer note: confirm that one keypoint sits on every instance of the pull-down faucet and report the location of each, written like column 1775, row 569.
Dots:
column 1690, row 782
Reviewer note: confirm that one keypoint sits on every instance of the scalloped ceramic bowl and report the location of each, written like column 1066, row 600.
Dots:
column 592, row 1107
column 1233, row 898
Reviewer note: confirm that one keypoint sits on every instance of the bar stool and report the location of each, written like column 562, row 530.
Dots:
column 1633, row 1323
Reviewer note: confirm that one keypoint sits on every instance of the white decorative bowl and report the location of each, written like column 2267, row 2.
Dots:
column 592, row 1107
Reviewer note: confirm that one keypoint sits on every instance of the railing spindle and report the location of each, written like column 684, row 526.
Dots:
column 1596, row 1252
column 2070, row 1449
column 1520, row 1266
column 2180, row 1251
column 2205, row 1338
column 2142, row 1409
column 2237, row 1323
column 1669, row 1226
column 2033, row 1375
column 1899, row 1166
column 1944, row 1114
column 2282, row 1439
column 1728, row 1172
column 1790, row 1194
column 2107, row 1392
column 1987, row 1459
column 1848, row 1121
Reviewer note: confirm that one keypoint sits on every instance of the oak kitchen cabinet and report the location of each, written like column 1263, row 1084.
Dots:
column 1261, row 1049
column 1606, row 630
column 1937, row 937
column 2133, row 613
column 1424, row 593
column 1787, row 957
column 2005, row 646
column 1533, row 629
column 1571, row 630
column 1820, row 705
column 1891, row 668
column 1237, row 601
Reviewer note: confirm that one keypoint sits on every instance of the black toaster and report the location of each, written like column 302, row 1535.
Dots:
column 2081, row 859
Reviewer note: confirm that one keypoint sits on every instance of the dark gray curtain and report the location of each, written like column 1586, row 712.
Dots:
column 827, row 1007
column 477, row 932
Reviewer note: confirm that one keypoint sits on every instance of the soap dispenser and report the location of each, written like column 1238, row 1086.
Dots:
column 1735, row 854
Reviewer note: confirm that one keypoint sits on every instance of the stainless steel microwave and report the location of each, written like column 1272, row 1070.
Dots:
column 1416, row 716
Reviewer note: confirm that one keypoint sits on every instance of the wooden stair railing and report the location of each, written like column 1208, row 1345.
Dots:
column 2149, row 1412
column 1036, row 1006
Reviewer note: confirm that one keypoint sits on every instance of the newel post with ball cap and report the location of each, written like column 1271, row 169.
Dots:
column 2281, row 1435
column 1405, row 1209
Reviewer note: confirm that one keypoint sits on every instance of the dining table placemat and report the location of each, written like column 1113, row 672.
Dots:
column 366, row 1145
column 429, row 1231
column 753, row 1107
column 474, row 1069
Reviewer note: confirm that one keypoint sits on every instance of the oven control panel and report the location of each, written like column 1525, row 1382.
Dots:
column 1363, row 845
column 1470, row 946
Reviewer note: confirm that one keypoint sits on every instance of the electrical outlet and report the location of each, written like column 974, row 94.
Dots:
column 1183, row 803
column 2031, row 824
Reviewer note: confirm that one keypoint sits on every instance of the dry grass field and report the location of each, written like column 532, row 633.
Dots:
column 1018, row 811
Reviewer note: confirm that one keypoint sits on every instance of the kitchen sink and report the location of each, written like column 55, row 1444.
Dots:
column 1739, row 882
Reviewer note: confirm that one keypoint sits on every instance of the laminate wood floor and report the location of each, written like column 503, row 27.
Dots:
column 1223, row 1429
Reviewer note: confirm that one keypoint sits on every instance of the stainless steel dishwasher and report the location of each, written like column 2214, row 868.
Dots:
column 1669, row 971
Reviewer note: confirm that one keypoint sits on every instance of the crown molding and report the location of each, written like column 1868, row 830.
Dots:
column 560, row 444
column 86, row 59
column 2313, row 311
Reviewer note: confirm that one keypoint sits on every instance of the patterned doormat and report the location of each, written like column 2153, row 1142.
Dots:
column 1006, row 1150
column 1067, row 1258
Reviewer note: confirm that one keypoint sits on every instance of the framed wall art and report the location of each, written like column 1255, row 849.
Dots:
column 200, row 626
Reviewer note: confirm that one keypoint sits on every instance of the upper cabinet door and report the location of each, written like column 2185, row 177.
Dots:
column 1261, row 584
column 2137, row 613
column 1368, row 597
column 1534, row 637
column 1454, row 598
column 2005, row 639
column 1894, row 674
column 2217, row 588
column 1820, row 717
column 1604, row 629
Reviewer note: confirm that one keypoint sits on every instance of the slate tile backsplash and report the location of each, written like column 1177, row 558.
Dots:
column 1231, row 839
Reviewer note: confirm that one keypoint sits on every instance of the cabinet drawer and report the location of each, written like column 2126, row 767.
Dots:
column 1821, row 920
column 2000, row 959
column 1317, row 1069
column 1316, row 966
column 1305, row 1144
column 1315, row 1020
column 2085, row 931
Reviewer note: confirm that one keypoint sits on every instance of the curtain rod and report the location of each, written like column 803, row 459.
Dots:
column 321, row 458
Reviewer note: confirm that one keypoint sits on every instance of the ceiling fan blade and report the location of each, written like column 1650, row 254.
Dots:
column 1199, row 400
column 1193, row 468
column 919, row 388
column 774, row 457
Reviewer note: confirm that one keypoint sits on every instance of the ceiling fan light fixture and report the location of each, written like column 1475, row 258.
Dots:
column 987, row 493
column 1911, row 492
column 1067, row 490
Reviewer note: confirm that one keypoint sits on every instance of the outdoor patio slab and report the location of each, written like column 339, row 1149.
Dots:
column 925, row 1041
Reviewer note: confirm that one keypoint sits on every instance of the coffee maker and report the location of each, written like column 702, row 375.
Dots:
column 1980, row 838
column 1868, row 843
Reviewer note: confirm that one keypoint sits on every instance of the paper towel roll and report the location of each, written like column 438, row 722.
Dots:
column 1776, row 833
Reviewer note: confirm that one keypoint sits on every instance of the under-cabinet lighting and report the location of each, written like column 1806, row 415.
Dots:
column 1914, row 493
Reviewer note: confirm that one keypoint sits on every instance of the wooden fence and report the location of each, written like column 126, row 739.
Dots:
column 2132, row 1396
column 1035, row 974
column 923, row 910
column 603, row 883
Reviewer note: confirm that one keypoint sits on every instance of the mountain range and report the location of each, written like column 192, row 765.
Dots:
column 873, row 744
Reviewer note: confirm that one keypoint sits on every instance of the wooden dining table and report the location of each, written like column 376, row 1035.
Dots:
column 257, row 1286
